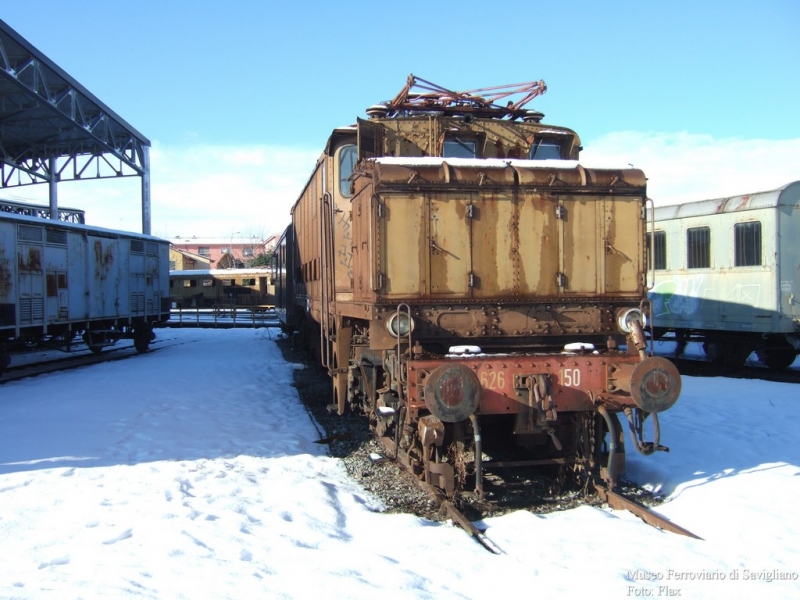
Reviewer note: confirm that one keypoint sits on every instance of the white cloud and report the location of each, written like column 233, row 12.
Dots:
column 216, row 191
column 202, row 191
column 682, row 167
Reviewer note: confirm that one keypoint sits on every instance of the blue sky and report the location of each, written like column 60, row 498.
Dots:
column 238, row 97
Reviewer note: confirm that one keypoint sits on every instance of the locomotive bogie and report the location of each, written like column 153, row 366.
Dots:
column 59, row 279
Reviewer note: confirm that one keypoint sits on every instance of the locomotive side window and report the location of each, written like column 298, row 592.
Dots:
column 348, row 155
column 657, row 253
column 747, row 244
column 698, row 248
column 458, row 147
column 544, row 150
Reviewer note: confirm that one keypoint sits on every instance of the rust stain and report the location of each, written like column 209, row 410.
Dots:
column 744, row 202
column 5, row 274
column 104, row 259
column 32, row 261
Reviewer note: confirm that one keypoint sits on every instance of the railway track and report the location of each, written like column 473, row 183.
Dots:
column 80, row 356
column 450, row 506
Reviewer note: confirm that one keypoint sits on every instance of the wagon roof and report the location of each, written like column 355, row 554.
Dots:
column 787, row 195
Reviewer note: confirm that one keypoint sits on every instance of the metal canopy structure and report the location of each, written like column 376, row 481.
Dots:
column 53, row 129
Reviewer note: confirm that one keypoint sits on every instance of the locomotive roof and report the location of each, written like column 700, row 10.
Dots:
column 787, row 195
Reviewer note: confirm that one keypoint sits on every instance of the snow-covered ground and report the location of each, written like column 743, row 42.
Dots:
column 192, row 472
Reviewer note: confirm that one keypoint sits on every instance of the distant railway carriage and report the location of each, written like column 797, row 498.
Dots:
column 727, row 274
column 61, row 279
column 219, row 288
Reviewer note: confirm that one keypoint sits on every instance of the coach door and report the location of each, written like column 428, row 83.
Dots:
column 56, row 271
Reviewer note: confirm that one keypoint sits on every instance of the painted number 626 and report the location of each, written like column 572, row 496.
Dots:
column 493, row 380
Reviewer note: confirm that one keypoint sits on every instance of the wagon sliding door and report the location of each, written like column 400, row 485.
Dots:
column 30, row 258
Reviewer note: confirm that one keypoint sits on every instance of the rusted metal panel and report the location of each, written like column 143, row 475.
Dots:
column 402, row 266
column 551, row 175
column 450, row 245
column 581, row 247
column 495, row 236
column 388, row 173
column 486, row 176
column 536, row 259
column 623, row 239
column 8, row 258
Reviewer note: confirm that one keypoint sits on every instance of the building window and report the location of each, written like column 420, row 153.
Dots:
column 747, row 244
column 189, row 283
column 172, row 265
column 204, row 251
column 247, row 252
column 698, row 248
column 459, row 147
column 657, row 253
column 225, row 250
column 544, row 150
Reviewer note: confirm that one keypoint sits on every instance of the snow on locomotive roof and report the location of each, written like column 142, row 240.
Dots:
column 787, row 195
column 497, row 163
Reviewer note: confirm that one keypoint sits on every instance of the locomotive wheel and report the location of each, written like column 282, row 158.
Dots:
column 777, row 357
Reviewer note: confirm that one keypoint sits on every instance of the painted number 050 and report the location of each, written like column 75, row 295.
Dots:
column 571, row 377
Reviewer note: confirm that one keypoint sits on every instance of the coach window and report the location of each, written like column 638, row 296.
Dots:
column 657, row 254
column 747, row 244
column 698, row 248
column 455, row 146
column 544, row 150
column 348, row 155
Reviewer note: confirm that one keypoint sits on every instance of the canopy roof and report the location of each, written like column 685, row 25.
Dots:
column 53, row 129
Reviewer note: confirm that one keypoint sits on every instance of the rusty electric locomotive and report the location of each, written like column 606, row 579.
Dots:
column 469, row 285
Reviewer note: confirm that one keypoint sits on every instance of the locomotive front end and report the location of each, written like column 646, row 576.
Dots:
column 506, row 296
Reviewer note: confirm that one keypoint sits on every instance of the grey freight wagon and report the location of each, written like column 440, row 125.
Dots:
column 59, row 280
